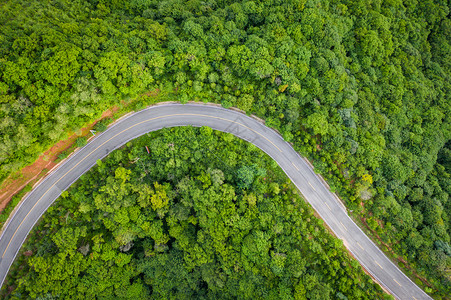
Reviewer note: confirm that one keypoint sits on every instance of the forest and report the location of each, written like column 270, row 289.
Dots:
column 204, row 215
column 360, row 87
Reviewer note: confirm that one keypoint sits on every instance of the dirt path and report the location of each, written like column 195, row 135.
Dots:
column 32, row 173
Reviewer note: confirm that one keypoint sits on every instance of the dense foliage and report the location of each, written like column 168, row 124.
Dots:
column 361, row 86
column 203, row 216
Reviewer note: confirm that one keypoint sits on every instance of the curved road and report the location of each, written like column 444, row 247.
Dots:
column 242, row 126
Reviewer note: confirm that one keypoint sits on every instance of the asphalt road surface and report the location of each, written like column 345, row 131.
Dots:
column 315, row 192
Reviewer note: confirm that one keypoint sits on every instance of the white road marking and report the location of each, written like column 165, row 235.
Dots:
column 344, row 226
column 312, row 186
column 328, row 206
column 379, row 265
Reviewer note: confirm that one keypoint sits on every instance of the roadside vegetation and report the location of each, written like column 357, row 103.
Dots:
column 360, row 87
column 203, row 215
column 15, row 200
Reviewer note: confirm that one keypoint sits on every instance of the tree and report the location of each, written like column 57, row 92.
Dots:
column 160, row 198
column 245, row 176
column 62, row 67
column 245, row 102
column 318, row 123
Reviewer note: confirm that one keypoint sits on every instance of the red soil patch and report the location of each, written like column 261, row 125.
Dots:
column 32, row 173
